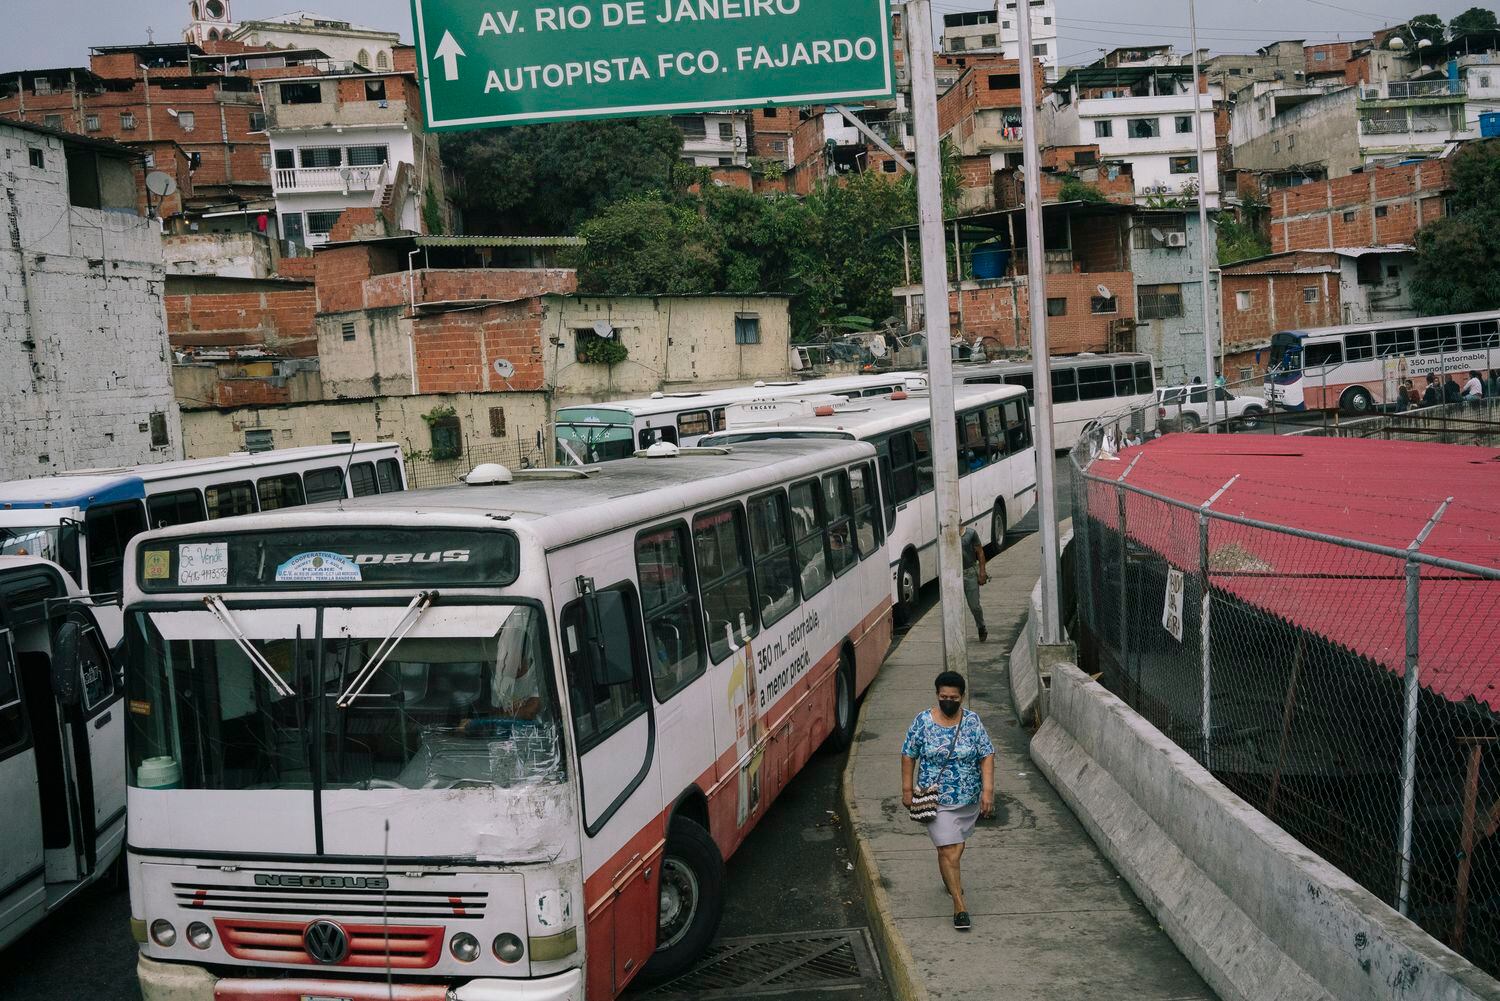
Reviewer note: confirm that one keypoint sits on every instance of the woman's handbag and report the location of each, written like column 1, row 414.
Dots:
column 924, row 802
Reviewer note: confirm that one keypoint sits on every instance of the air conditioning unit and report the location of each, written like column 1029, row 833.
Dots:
column 1177, row 239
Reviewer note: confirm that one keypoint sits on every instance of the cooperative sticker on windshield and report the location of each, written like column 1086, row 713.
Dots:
column 202, row 564
column 318, row 568
column 158, row 565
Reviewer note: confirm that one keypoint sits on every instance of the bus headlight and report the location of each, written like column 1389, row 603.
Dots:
column 508, row 948
column 163, row 934
column 465, row 947
column 199, row 936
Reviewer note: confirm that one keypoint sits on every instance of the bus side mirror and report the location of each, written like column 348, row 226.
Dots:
column 66, row 648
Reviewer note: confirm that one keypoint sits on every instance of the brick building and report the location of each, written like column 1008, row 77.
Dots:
column 1377, row 207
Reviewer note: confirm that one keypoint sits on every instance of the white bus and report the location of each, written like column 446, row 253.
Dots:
column 997, row 465
column 1360, row 367
column 493, row 741
column 1087, row 389
column 62, row 763
column 602, row 432
column 84, row 520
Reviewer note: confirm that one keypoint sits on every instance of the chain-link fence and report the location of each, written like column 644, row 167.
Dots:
column 1349, row 691
column 524, row 451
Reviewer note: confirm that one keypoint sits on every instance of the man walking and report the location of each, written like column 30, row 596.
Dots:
column 974, row 576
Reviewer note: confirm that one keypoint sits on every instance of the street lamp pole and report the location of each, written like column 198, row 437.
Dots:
column 1211, row 392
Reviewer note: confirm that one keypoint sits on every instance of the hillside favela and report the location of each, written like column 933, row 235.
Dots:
column 523, row 501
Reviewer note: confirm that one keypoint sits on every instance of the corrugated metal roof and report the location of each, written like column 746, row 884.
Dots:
column 1372, row 491
column 500, row 241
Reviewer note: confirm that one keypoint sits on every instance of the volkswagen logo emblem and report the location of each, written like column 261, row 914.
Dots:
column 326, row 942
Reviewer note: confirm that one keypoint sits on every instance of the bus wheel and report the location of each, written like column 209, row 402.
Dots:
column 844, row 705
column 691, row 900
column 1357, row 401
column 997, row 531
column 908, row 586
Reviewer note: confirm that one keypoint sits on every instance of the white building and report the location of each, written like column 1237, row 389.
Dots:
column 715, row 139
column 350, row 140
column 208, row 21
column 344, row 42
column 1140, row 114
column 84, row 358
column 977, row 31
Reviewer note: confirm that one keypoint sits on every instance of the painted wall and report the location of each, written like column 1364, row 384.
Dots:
column 1175, row 342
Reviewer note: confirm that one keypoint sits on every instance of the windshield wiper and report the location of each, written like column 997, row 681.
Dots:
column 571, row 454
column 419, row 604
column 215, row 605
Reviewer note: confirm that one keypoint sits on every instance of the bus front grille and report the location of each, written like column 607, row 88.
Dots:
column 400, row 947
column 340, row 904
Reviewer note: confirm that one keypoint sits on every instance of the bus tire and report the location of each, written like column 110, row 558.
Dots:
column 908, row 587
column 845, row 704
column 997, row 531
column 691, row 900
column 1357, row 401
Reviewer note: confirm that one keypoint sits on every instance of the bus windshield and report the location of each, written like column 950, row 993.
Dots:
column 1286, row 353
column 41, row 540
column 462, row 700
column 586, row 444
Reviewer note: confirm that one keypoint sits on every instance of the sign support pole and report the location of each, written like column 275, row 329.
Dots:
column 939, row 336
column 1041, row 355
column 1209, row 381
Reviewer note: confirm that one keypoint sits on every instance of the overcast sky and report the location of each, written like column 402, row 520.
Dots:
column 46, row 33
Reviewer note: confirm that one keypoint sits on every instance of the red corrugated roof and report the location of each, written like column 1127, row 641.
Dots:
column 1371, row 491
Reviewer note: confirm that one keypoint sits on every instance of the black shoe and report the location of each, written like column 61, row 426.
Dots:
column 984, row 634
column 961, row 921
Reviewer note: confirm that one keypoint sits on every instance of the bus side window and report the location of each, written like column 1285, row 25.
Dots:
column 1125, row 380
column 693, row 424
column 921, row 445
column 12, row 718
column 184, row 507
column 719, row 422
column 1359, row 346
column 324, row 485
column 277, row 492
column 362, row 479
column 1017, row 426
column 887, row 491
column 1434, row 340
column 1064, row 385
column 973, row 453
column 95, row 672
column 230, row 499
column 839, row 512
column 1145, row 382
column 109, row 530
column 1331, row 353
column 1023, row 379
column 771, row 546
column 605, row 686
column 724, row 574
column 994, row 433
column 808, row 534
column 650, row 436
column 1096, row 383
column 669, row 600
column 903, row 467
column 388, row 476
column 867, row 532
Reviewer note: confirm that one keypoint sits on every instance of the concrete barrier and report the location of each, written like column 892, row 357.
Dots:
column 1031, row 661
column 1258, row 914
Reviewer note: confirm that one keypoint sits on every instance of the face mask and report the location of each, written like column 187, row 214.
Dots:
column 949, row 706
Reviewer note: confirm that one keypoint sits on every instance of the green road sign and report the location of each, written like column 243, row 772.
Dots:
column 488, row 63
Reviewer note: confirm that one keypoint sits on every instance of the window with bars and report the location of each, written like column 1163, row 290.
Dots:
column 497, row 422
column 368, row 156
column 1158, row 302
column 321, row 223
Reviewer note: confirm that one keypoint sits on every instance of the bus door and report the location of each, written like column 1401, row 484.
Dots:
column 614, row 729
column 80, row 649
column 22, row 863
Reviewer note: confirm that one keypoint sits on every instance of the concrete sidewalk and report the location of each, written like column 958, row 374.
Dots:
column 1052, row 918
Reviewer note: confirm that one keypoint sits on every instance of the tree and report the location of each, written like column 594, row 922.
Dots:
column 647, row 246
column 1428, row 27
column 1075, row 190
column 1458, row 257
column 550, row 179
column 1240, row 241
column 1475, row 19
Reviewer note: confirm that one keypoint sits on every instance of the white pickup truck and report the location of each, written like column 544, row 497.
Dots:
column 1185, row 408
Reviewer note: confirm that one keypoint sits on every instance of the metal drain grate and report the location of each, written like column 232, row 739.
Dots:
column 767, row 965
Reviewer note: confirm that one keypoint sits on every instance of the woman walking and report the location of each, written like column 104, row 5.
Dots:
column 948, row 751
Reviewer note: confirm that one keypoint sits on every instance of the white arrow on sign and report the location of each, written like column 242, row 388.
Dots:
column 449, row 51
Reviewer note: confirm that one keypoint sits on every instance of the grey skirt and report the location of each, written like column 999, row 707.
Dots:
column 954, row 824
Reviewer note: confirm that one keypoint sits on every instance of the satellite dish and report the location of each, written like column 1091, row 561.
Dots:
column 878, row 348
column 604, row 329
column 172, row 112
column 160, row 184
column 1104, row 292
column 1158, row 235
column 1397, row 43
column 504, row 369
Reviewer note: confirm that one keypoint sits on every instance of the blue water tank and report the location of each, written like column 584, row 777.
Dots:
column 1489, row 124
column 990, row 261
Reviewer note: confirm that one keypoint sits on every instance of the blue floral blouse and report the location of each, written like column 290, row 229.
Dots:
column 928, row 741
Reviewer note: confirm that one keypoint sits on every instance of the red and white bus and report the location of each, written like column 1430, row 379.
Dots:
column 492, row 741
column 1357, row 369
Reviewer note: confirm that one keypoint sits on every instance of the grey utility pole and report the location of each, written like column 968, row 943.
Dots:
column 919, row 54
column 1041, row 356
column 1212, row 392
